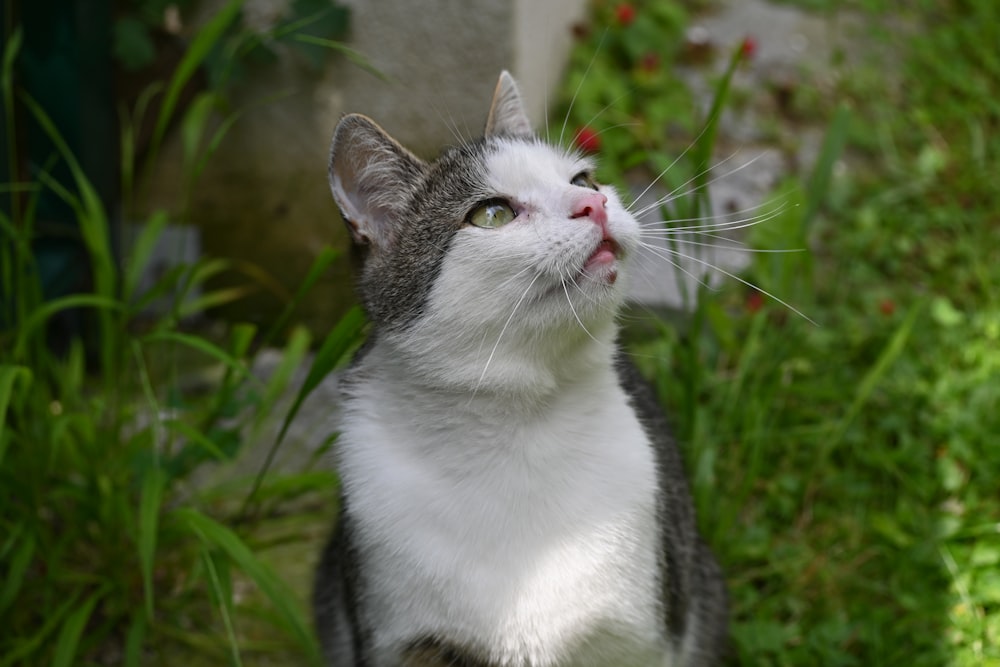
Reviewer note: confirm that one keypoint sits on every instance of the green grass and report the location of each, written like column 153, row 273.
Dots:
column 127, row 536
column 847, row 473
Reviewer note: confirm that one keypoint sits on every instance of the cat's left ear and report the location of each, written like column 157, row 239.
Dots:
column 507, row 114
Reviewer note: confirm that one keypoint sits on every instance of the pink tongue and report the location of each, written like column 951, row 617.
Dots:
column 604, row 254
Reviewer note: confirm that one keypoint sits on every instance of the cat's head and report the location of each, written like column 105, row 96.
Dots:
column 502, row 252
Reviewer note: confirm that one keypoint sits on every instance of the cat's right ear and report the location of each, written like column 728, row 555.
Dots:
column 371, row 177
column 507, row 112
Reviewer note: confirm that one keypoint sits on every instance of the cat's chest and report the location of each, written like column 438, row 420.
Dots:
column 534, row 535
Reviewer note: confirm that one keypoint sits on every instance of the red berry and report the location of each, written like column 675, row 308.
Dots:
column 588, row 140
column 625, row 13
column 749, row 47
column 887, row 307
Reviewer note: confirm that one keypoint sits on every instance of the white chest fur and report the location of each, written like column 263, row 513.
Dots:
column 530, row 531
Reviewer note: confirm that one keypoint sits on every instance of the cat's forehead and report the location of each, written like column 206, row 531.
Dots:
column 518, row 165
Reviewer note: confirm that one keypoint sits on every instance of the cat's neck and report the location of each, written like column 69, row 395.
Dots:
column 507, row 376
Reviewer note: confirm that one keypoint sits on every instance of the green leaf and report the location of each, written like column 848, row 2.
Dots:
column 338, row 344
column 194, row 124
column 222, row 594
column 819, row 180
column 14, row 577
column 141, row 251
column 202, row 44
column 31, row 644
column 41, row 315
column 319, row 265
column 216, row 535
column 9, row 377
column 199, row 344
column 154, row 480
column 69, row 636
column 134, row 641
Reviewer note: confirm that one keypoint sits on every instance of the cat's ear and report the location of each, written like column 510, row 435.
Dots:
column 371, row 177
column 507, row 114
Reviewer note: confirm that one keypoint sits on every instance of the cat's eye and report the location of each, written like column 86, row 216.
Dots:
column 584, row 180
column 492, row 214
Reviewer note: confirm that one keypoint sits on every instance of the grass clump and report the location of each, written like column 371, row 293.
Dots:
column 847, row 472
column 118, row 544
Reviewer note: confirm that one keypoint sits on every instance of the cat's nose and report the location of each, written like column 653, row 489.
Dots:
column 591, row 205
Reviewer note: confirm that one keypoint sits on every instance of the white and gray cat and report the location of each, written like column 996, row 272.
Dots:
column 510, row 493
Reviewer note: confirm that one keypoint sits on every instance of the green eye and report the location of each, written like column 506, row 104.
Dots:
column 492, row 214
column 584, row 180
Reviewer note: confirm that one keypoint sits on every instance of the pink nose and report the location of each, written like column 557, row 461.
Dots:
column 591, row 205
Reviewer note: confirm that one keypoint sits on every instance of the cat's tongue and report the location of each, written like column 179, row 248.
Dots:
column 604, row 256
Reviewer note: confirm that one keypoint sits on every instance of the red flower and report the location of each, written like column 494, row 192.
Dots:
column 749, row 47
column 887, row 307
column 625, row 13
column 755, row 301
column 588, row 140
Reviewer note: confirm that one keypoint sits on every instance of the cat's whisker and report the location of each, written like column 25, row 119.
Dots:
column 449, row 122
column 659, row 250
column 503, row 330
column 668, row 255
column 725, row 217
column 679, row 191
column 719, row 226
column 735, row 246
column 576, row 93
column 668, row 168
column 577, row 316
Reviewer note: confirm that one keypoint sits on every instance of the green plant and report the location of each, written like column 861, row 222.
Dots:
column 307, row 27
column 846, row 471
column 622, row 97
column 111, row 550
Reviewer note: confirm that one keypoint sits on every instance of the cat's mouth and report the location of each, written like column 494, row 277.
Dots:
column 603, row 262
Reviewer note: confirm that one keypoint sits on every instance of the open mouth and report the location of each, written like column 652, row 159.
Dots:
column 602, row 262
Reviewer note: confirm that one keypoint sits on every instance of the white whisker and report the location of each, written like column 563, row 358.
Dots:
column 677, row 192
column 572, row 102
column 576, row 316
column 503, row 330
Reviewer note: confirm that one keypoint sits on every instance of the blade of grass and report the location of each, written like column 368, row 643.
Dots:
column 866, row 388
column 18, row 565
column 41, row 315
column 342, row 340
column 202, row 44
column 225, row 603
column 199, row 344
column 216, row 535
column 69, row 635
column 819, row 181
column 154, row 481
column 292, row 355
column 134, row 640
column 322, row 262
column 141, row 251
column 30, row 645
column 702, row 153
column 9, row 377
column 355, row 57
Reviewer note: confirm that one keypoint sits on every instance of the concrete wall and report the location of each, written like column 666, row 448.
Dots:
column 264, row 198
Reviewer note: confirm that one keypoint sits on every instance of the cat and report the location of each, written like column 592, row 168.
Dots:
column 510, row 495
